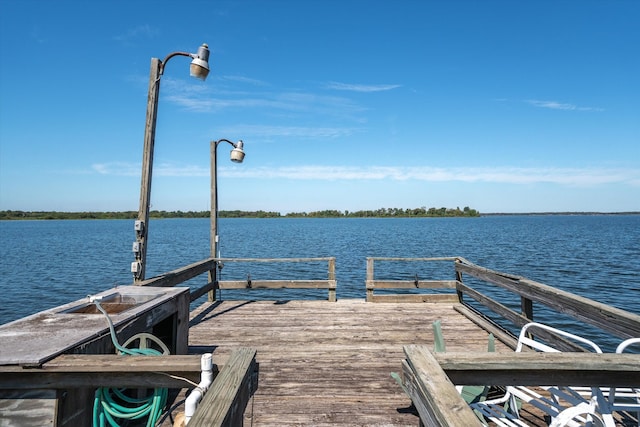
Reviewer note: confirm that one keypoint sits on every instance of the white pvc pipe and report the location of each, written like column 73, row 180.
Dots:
column 206, row 378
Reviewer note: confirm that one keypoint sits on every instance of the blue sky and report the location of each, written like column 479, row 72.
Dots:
column 502, row 106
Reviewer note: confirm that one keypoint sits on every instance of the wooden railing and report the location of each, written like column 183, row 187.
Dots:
column 618, row 322
column 615, row 321
column 372, row 284
column 183, row 274
column 330, row 283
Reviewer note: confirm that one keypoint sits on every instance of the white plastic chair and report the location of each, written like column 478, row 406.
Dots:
column 626, row 399
column 565, row 406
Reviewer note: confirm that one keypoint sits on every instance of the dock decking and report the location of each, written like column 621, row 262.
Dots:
column 320, row 362
column 329, row 363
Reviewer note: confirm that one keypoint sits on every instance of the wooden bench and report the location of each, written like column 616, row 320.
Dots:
column 227, row 398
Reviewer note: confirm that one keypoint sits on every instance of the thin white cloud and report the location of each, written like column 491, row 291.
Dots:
column 361, row 87
column 197, row 104
column 505, row 175
column 569, row 176
column 204, row 98
column 144, row 31
column 554, row 105
column 185, row 87
column 168, row 169
column 242, row 79
column 162, row 169
column 198, row 99
column 117, row 168
column 269, row 132
column 208, row 104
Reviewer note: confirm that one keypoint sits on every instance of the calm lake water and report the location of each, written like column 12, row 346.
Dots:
column 49, row 263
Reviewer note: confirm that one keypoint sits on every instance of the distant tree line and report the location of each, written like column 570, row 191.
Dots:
column 66, row 215
column 379, row 213
column 390, row 212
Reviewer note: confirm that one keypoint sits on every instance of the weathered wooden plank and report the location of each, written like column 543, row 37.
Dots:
column 415, row 298
column 537, row 368
column 277, row 284
column 180, row 275
column 20, row 408
column 225, row 402
column 77, row 371
column 277, row 260
column 411, row 284
column 412, row 259
column 431, row 391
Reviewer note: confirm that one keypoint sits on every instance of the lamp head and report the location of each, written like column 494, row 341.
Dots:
column 200, row 65
column 237, row 154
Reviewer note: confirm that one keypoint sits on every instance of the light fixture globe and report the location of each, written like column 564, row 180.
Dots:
column 237, row 154
column 200, row 65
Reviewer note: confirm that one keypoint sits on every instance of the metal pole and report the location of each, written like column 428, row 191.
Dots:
column 214, row 216
column 142, row 224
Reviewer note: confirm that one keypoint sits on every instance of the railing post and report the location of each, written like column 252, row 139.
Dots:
column 459, row 280
column 212, row 277
column 369, row 283
column 527, row 307
column 332, row 277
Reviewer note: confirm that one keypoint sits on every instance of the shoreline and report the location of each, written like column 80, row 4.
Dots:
column 12, row 215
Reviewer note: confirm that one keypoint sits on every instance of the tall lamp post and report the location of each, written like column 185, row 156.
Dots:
column 200, row 69
column 237, row 156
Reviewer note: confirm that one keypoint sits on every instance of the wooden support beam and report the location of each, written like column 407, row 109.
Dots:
column 536, row 368
column 415, row 298
column 330, row 285
column 180, row 275
column 225, row 402
column 411, row 284
column 78, row 371
column 277, row 284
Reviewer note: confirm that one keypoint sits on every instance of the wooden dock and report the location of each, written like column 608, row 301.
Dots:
column 319, row 363
column 329, row 363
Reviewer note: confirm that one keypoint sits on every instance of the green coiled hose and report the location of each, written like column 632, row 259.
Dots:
column 111, row 404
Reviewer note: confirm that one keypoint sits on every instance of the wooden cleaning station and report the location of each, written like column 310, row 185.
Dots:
column 310, row 362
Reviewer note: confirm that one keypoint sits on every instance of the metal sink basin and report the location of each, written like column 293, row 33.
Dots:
column 113, row 303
